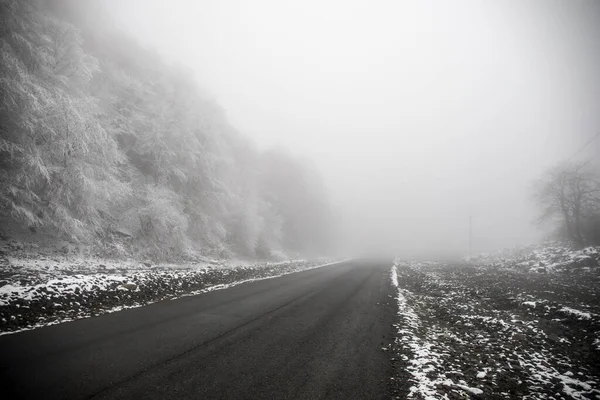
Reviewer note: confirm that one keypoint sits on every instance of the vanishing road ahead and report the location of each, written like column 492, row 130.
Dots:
column 308, row 335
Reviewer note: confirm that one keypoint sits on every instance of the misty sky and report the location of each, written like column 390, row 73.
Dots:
column 417, row 113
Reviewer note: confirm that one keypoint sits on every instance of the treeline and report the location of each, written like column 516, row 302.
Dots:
column 103, row 142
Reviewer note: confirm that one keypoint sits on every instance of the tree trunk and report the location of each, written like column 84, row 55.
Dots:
column 579, row 240
column 566, row 216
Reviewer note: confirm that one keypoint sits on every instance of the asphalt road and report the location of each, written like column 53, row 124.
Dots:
column 309, row 335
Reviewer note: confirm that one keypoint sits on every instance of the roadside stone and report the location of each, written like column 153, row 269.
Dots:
column 129, row 286
column 554, row 337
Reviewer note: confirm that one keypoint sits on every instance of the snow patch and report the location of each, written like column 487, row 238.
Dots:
column 577, row 313
column 394, row 276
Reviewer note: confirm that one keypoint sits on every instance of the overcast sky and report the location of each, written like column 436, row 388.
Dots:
column 418, row 113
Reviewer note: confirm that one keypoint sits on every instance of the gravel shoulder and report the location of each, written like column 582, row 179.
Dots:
column 39, row 289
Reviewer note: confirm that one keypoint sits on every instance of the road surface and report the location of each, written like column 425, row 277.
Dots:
column 308, row 335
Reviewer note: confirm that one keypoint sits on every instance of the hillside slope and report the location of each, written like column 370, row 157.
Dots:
column 102, row 142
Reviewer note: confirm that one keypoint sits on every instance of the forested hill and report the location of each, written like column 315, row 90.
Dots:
column 103, row 142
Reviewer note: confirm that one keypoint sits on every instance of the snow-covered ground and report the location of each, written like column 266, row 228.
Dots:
column 549, row 257
column 525, row 326
column 38, row 290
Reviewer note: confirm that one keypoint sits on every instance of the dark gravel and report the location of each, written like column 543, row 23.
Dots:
column 535, row 335
column 58, row 299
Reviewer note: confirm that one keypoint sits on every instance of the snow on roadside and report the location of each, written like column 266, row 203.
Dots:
column 546, row 258
column 394, row 276
column 466, row 331
column 424, row 356
column 67, row 284
column 25, row 306
column 576, row 313
column 425, row 353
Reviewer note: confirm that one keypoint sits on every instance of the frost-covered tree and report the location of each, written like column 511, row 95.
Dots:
column 569, row 195
column 59, row 163
column 100, row 136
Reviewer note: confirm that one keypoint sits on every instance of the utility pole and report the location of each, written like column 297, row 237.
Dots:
column 470, row 235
